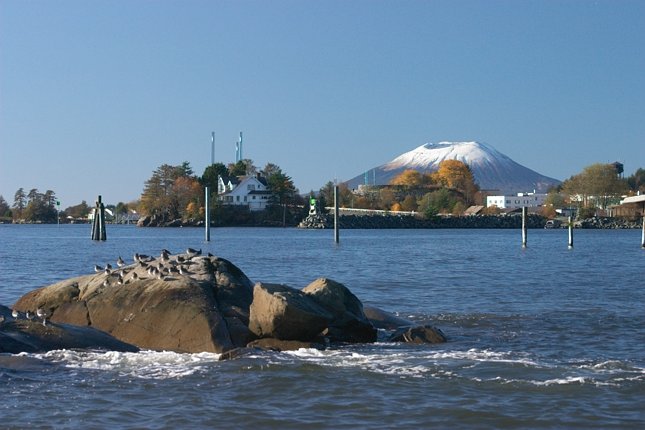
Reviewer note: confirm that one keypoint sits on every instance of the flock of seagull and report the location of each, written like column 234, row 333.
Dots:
column 40, row 314
column 165, row 266
column 155, row 268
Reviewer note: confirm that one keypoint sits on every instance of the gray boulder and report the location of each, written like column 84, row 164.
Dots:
column 284, row 313
column 349, row 323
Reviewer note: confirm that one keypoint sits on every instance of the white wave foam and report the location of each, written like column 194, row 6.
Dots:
column 437, row 363
column 143, row 364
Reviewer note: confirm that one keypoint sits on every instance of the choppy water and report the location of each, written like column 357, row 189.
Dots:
column 543, row 337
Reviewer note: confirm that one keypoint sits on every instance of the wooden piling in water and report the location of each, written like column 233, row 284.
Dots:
column 643, row 233
column 570, row 233
column 98, row 223
column 207, row 215
column 524, row 227
column 336, row 226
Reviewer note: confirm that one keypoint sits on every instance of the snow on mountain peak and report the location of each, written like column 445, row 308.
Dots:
column 429, row 155
column 492, row 169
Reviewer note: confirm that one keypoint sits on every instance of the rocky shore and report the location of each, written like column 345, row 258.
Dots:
column 395, row 221
column 606, row 223
column 193, row 303
column 475, row 221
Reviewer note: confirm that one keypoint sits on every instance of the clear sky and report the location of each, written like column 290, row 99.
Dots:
column 95, row 95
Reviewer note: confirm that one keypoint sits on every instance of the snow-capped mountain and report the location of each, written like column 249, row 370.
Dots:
column 492, row 169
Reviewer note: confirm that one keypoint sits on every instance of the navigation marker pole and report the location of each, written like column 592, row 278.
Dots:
column 643, row 233
column 524, row 227
column 98, row 223
column 207, row 215
column 570, row 233
column 336, row 233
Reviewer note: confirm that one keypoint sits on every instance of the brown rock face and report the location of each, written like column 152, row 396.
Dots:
column 181, row 303
column 284, row 313
column 349, row 323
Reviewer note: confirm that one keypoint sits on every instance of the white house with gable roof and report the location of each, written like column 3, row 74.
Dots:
column 250, row 191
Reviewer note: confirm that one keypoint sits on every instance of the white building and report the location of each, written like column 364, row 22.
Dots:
column 529, row 200
column 250, row 191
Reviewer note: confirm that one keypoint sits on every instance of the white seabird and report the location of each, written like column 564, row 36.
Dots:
column 42, row 314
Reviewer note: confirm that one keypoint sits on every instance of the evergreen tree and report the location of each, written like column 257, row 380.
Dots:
column 5, row 210
column 211, row 173
column 19, row 203
column 636, row 181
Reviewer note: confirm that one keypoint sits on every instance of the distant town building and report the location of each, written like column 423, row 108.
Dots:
column 529, row 200
column 250, row 191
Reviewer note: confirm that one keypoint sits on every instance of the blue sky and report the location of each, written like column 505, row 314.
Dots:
column 95, row 95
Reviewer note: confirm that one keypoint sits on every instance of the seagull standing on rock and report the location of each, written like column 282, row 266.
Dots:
column 15, row 314
column 42, row 314
column 120, row 262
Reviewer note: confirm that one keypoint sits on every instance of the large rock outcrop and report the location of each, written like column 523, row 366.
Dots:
column 194, row 303
column 183, row 303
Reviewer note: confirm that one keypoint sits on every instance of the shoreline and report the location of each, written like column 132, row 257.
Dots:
column 389, row 222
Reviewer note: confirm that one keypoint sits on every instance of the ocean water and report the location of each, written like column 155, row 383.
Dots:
column 542, row 337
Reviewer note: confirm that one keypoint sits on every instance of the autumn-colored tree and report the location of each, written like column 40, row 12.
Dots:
column 548, row 212
column 360, row 202
column 595, row 186
column 410, row 178
column 185, row 190
column 456, row 174
column 409, row 204
column 78, row 211
column 346, row 198
column 459, row 208
column 555, row 200
column 386, row 198
column 163, row 197
column 491, row 210
column 192, row 210
column 396, row 207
